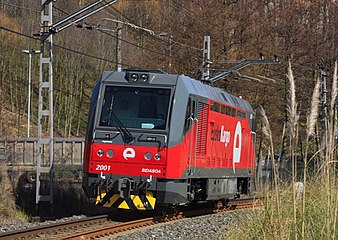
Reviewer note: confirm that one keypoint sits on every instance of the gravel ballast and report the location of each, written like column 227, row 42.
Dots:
column 205, row 227
column 19, row 224
column 212, row 226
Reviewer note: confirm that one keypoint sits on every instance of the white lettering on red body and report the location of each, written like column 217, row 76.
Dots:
column 225, row 136
column 150, row 170
column 128, row 153
column 237, row 145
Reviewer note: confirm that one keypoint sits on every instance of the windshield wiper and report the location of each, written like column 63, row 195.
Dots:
column 127, row 137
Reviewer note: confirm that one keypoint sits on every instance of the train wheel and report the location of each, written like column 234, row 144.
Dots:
column 218, row 204
column 176, row 209
column 164, row 211
column 31, row 177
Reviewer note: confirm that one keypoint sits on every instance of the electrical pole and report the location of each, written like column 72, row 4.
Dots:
column 45, row 166
column 118, row 32
column 30, row 53
column 206, row 59
column 170, row 43
column 323, row 77
column 118, row 47
column 226, row 71
column 170, row 39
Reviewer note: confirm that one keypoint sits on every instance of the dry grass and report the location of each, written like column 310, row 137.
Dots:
column 8, row 209
column 310, row 126
column 293, row 132
column 312, row 214
column 268, row 134
column 264, row 222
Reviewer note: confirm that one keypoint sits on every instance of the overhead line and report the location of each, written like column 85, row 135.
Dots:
column 20, row 7
column 62, row 47
column 17, row 6
column 189, row 12
column 130, row 43
column 89, row 55
column 254, row 91
column 133, row 44
column 65, row 13
column 152, row 36
column 18, row 33
column 103, row 31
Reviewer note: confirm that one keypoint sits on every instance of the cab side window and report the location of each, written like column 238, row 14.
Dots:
column 187, row 118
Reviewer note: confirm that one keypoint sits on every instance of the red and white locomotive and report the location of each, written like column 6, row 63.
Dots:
column 156, row 139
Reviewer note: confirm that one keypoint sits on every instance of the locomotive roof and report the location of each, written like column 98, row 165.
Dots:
column 198, row 88
column 193, row 86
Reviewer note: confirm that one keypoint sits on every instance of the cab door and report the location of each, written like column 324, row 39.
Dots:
column 192, row 134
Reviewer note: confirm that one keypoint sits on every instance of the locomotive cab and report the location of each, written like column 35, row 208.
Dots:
column 127, row 139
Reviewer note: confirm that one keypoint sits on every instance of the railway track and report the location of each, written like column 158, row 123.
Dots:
column 56, row 230
column 100, row 226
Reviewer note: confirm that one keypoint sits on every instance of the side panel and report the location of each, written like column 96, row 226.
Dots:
column 218, row 188
column 229, row 141
column 215, row 145
column 171, row 191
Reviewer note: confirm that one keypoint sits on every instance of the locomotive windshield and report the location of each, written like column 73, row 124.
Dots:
column 135, row 107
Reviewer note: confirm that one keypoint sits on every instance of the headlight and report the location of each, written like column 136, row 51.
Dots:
column 144, row 77
column 148, row 156
column 134, row 77
column 100, row 153
column 158, row 156
column 110, row 153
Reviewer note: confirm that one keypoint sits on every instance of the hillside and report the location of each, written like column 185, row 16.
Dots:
column 295, row 31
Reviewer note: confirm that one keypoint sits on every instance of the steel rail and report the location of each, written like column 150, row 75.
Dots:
column 111, row 230
column 53, row 229
column 124, row 227
column 100, row 226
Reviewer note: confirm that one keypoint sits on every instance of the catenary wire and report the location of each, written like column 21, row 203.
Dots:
column 114, row 36
column 152, row 36
column 62, row 47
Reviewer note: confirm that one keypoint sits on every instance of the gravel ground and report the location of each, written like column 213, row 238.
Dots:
column 18, row 225
column 205, row 227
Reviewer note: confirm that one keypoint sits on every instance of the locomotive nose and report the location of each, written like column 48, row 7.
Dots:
column 130, row 194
